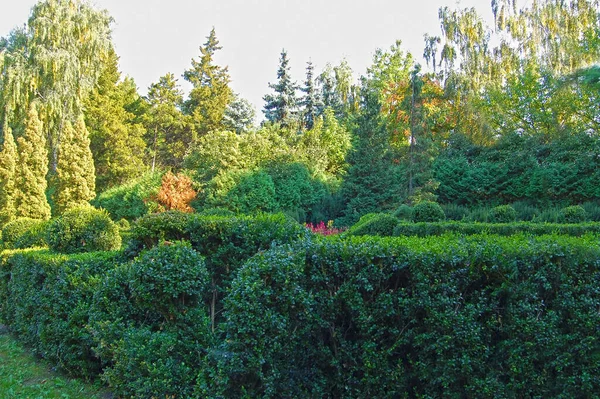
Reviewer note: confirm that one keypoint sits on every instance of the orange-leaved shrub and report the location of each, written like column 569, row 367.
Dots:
column 176, row 192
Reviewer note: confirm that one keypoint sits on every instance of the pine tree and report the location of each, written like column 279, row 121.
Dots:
column 8, row 160
column 75, row 168
column 310, row 101
column 31, row 171
column 282, row 106
column 210, row 93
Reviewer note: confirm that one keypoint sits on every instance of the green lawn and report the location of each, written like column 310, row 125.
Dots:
column 23, row 376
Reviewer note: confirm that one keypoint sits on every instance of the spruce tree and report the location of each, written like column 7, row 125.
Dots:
column 75, row 169
column 282, row 106
column 210, row 93
column 310, row 101
column 373, row 182
column 8, row 160
column 31, row 171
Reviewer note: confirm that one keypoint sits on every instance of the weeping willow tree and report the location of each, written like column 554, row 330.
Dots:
column 55, row 60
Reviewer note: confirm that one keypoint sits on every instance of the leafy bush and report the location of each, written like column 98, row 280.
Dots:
column 503, row 214
column 381, row 224
column 24, row 233
column 479, row 214
column 428, row 212
column 149, row 324
column 404, row 212
column 131, row 200
column 550, row 215
column 45, row 298
column 368, row 317
column 574, row 214
column 83, row 230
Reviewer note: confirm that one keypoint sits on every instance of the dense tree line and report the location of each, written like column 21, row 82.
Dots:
column 497, row 114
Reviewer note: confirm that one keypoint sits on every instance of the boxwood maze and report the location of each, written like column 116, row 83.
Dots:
column 238, row 307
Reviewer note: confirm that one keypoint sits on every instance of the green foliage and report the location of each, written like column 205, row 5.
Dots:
column 169, row 133
column 282, row 106
column 502, row 229
column 503, row 214
column 574, row 214
column 24, row 233
column 131, row 200
column 149, row 322
column 243, row 192
column 76, row 181
column 30, row 184
column 379, row 224
column 592, row 210
column 406, row 317
column 428, row 212
column 210, row 92
column 83, row 229
column 455, row 212
column 49, row 298
column 8, row 161
column 404, row 212
column 116, row 135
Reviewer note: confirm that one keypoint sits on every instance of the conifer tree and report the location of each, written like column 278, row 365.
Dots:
column 75, row 169
column 31, row 171
column 117, row 138
column 310, row 101
column 169, row 131
column 373, row 182
column 282, row 106
column 210, row 93
column 8, row 160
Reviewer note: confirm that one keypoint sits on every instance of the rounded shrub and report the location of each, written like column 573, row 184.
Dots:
column 404, row 212
column 574, row 214
column 503, row 214
column 428, row 211
column 24, row 233
column 84, row 229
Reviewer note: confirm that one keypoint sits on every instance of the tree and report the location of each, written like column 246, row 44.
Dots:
column 169, row 132
column 31, row 171
column 55, row 62
column 116, row 137
column 8, row 161
column 210, row 92
column 310, row 101
column 373, row 182
column 239, row 115
column 75, row 170
column 282, row 107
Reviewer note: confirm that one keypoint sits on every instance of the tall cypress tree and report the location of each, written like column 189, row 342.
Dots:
column 30, row 181
column 8, row 160
column 282, row 106
column 310, row 101
column 75, row 169
column 210, row 93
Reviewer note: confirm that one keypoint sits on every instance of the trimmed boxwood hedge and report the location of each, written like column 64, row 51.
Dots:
column 343, row 317
column 502, row 229
column 481, row 316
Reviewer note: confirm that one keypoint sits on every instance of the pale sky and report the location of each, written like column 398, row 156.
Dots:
column 154, row 37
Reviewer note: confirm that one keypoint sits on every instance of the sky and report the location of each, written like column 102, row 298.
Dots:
column 155, row 37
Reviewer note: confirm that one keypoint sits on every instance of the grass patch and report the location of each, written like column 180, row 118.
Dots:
column 23, row 376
